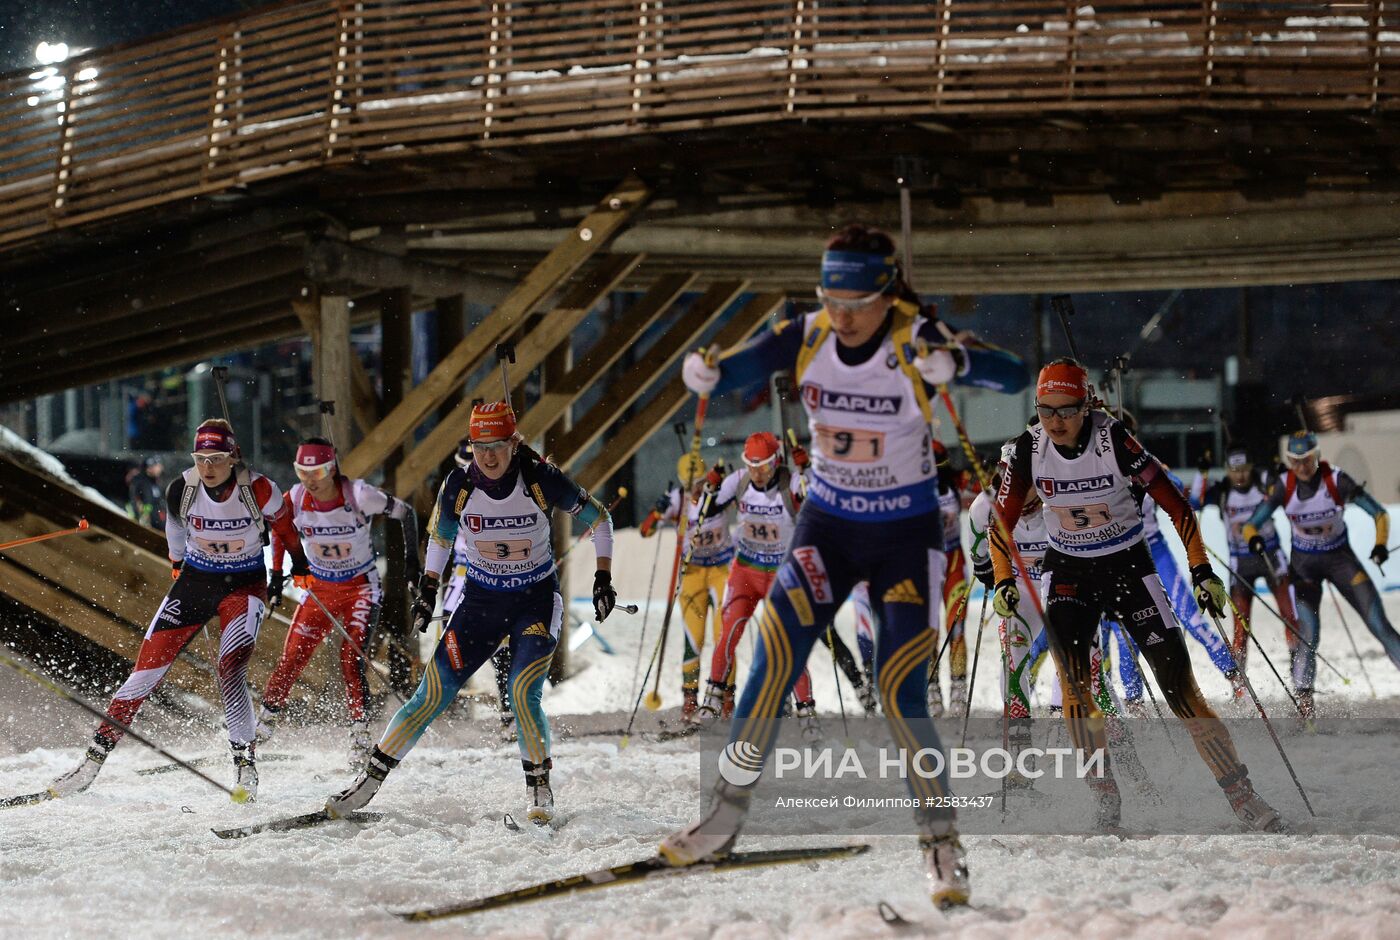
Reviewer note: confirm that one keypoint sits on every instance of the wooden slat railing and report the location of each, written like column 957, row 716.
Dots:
column 306, row 84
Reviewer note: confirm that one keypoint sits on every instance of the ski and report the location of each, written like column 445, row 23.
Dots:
column 893, row 918
column 209, row 759
column 654, row 867
column 289, row 823
column 26, row 799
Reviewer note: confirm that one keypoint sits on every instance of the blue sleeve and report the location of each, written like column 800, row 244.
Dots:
column 559, row 491
column 1265, row 510
column 752, row 363
column 446, row 518
column 1353, row 492
column 987, row 366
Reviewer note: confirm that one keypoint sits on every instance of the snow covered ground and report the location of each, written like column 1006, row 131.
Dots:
column 134, row 856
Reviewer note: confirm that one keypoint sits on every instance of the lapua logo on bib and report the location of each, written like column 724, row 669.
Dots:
column 1052, row 487
column 477, row 523
column 814, row 396
column 218, row 525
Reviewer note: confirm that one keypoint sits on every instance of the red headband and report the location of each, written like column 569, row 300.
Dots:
column 315, row 455
column 210, row 438
column 491, row 420
column 1063, row 378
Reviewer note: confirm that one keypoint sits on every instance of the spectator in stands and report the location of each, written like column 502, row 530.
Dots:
column 146, row 496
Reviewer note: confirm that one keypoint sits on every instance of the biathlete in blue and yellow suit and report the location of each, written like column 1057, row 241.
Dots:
column 503, row 499
column 871, row 514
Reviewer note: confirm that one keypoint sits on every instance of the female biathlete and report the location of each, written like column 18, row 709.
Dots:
column 871, row 513
column 218, row 515
column 503, row 499
column 333, row 515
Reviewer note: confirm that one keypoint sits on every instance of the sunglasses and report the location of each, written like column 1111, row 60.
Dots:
column 1298, row 459
column 495, row 447
column 211, row 460
column 1064, row 411
column 834, row 304
column 315, row 474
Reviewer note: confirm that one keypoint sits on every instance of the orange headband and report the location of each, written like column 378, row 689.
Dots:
column 491, row 420
column 1061, row 378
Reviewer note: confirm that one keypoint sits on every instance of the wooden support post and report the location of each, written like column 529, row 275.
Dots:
column 684, row 334
column 588, row 237
column 451, row 330
column 530, row 351
column 396, row 367
column 632, row 435
column 559, row 395
column 332, row 364
column 361, row 401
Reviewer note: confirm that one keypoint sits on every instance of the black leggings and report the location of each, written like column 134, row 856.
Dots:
column 1125, row 587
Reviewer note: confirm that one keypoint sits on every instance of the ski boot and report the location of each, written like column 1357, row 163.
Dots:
column 935, row 699
column 807, row 721
column 245, row 769
column 690, row 704
column 359, row 793
column 361, row 744
column 1108, row 809
column 1307, row 711
column 1018, row 737
column 539, row 797
column 957, row 697
column 865, row 692
column 708, row 713
column 81, row 777
column 1237, row 688
column 945, row 862
column 713, row 834
column 267, row 724
column 1250, row 806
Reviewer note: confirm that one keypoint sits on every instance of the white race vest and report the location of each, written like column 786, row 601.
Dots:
column 950, row 506
column 504, row 543
column 222, row 536
column 1317, row 521
column 711, row 541
column 339, row 542
column 1238, row 507
column 1089, row 508
column 872, row 458
column 1028, row 533
column 765, row 525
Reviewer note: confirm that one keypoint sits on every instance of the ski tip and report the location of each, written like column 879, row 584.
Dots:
column 891, row 916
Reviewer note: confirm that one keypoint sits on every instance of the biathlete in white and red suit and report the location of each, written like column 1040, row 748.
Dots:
column 334, row 516
column 871, row 514
column 1088, row 471
column 215, row 529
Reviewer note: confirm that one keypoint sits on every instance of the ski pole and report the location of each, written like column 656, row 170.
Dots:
column 702, row 407
column 82, row 526
column 627, row 733
column 972, row 681
column 836, row 679
column 1257, row 645
column 1215, row 619
column 125, row 729
column 1311, row 647
column 505, row 351
column 641, row 640
column 1347, row 627
column 359, row 651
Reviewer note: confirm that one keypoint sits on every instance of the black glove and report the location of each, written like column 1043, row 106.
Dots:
column 982, row 571
column 1380, row 554
column 275, row 583
column 1256, row 544
column 663, row 503
column 1204, row 464
column 300, row 567
column 1210, row 590
column 604, row 597
column 424, row 600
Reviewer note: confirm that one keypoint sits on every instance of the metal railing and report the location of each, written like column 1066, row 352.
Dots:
column 308, row 84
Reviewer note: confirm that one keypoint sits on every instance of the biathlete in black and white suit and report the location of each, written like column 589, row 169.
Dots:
column 503, row 500
column 871, row 513
column 215, row 529
column 1084, row 465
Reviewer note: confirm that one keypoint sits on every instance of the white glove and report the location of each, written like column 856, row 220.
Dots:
column 698, row 376
column 939, row 367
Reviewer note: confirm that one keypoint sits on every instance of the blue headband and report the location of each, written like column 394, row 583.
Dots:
column 857, row 270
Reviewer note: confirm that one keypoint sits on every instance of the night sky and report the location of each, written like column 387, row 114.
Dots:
column 94, row 23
